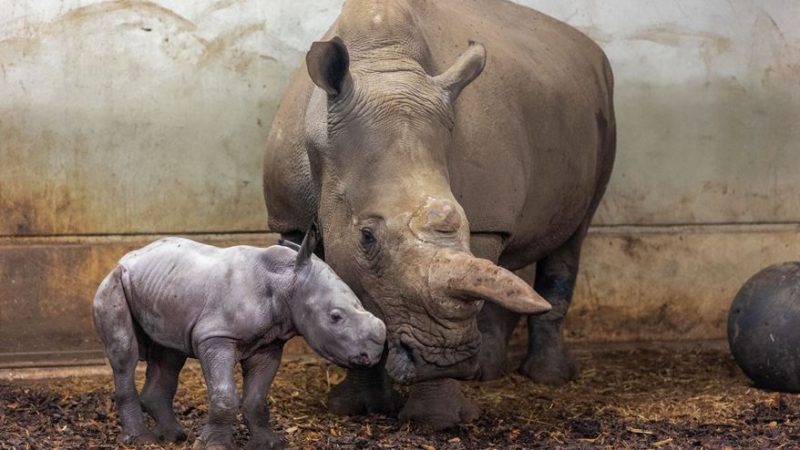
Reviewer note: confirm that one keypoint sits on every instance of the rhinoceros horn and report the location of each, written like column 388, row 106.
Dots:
column 461, row 275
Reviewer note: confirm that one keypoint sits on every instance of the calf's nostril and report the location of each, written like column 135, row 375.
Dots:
column 362, row 359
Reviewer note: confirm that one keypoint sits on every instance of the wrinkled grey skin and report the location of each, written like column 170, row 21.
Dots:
column 428, row 160
column 177, row 298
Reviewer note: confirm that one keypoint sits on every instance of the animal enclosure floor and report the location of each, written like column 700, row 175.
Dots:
column 655, row 397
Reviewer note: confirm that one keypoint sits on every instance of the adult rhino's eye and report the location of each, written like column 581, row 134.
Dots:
column 370, row 246
column 367, row 237
column 336, row 316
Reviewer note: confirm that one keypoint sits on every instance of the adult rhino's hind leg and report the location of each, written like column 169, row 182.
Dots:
column 548, row 360
column 163, row 368
column 115, row 327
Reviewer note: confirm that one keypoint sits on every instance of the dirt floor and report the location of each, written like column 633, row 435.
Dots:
column 656, row 397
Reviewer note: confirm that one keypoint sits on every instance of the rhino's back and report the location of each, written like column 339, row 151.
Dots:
column 528, row 159
column 180, row 289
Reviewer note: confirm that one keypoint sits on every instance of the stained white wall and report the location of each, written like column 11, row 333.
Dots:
column 708, row 105
column 134, row 116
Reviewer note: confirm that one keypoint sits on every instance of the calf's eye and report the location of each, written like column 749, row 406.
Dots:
column 336, row 316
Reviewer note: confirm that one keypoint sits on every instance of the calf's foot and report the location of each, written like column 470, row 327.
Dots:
column 145, row 437
column 364, row 391
column 438, row 404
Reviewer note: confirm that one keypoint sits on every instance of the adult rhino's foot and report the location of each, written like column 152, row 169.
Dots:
column 438, row 404
column 266, row 441
column 170, row 434
column 364, row 391
column 550, row 363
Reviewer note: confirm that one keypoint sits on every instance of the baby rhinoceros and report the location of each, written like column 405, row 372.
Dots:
column 177, row 298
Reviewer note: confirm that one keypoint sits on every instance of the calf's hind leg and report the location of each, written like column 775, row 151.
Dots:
column 114, row 325
column 163, row 368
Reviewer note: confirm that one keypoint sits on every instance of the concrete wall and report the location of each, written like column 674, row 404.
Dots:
column 708, row 106
column 123, row 120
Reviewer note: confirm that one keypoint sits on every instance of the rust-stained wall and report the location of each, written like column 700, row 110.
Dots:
column 139, row 117
column 47, row 286
column 124, row 120
column 111, row 110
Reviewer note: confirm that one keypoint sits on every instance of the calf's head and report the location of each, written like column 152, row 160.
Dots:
column 329, row 316
column 379, row 130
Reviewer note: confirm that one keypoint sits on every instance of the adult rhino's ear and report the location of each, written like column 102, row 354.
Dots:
column 466, row 68
column 307, row 247
column 328, row 63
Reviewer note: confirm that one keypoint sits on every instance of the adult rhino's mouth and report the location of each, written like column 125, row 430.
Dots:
column 411, row 360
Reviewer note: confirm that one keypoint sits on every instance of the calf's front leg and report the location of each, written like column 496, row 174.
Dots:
column 218, row 358
column 259, row 371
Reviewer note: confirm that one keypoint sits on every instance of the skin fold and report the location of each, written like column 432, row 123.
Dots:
column 441, row 146
column 176, row 299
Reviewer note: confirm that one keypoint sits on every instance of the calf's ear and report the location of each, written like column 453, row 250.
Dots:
column 289, row 244
column 328, row 63
column 466, row 68
column 307, row 248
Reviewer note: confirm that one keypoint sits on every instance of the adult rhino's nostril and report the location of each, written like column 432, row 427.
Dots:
column 442, row 217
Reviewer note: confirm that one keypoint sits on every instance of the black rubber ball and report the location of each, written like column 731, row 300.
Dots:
column 764, row 327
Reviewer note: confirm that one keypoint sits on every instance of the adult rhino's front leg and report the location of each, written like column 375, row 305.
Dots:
column 438, row 404
column 364, row 391
column 495, row 322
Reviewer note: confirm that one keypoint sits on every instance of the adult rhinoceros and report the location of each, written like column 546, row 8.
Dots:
column 410, row 173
